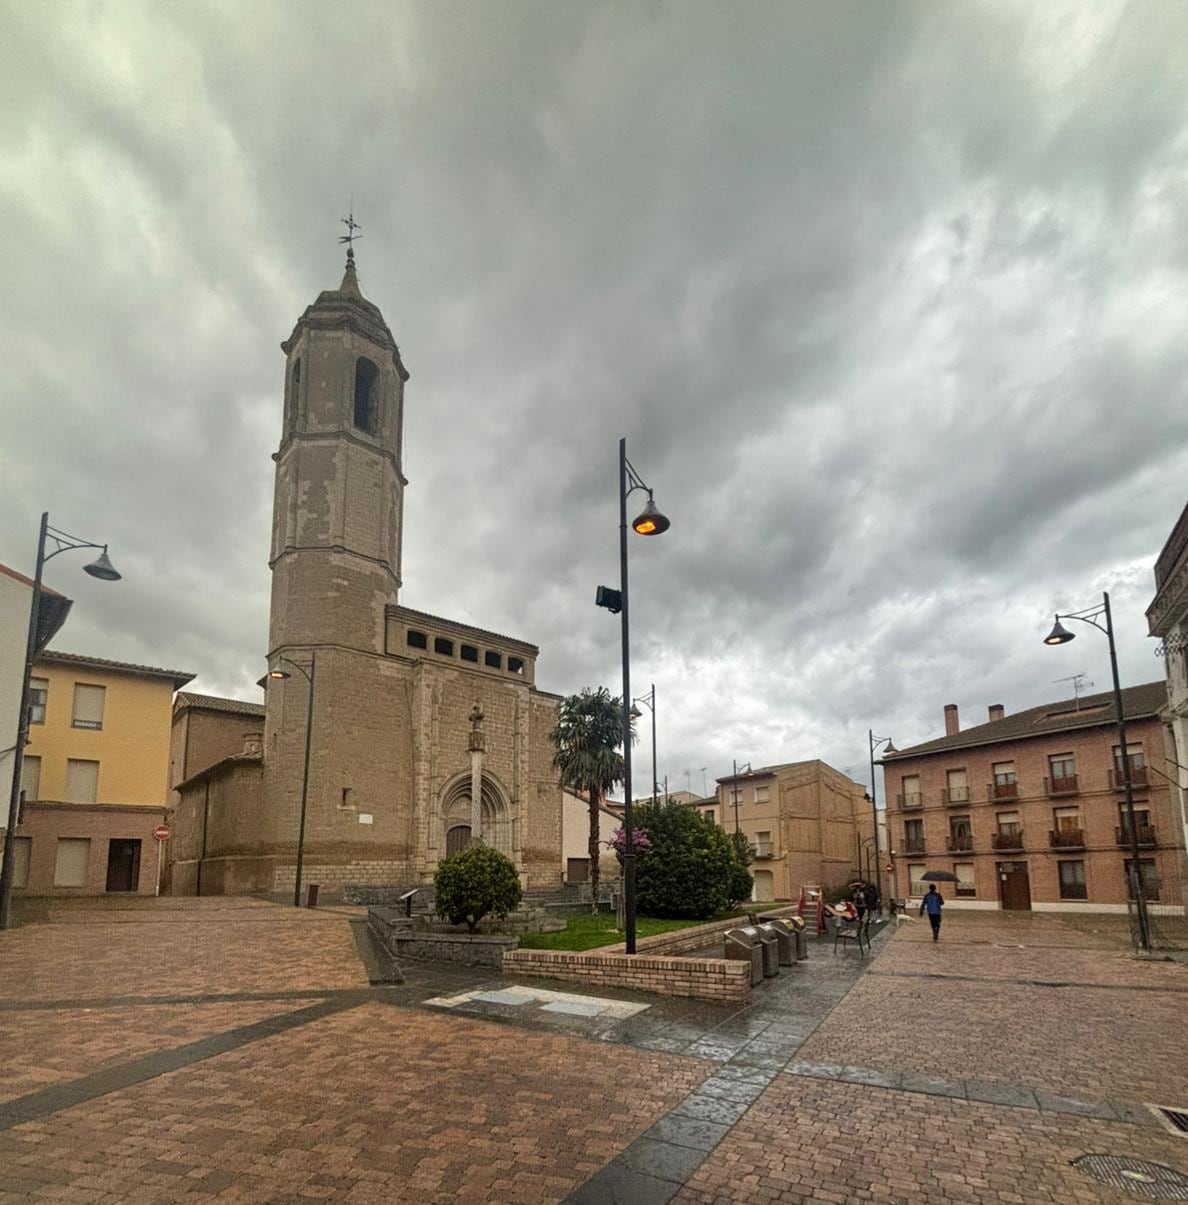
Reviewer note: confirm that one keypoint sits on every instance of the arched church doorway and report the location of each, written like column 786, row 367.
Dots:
column 455, row 815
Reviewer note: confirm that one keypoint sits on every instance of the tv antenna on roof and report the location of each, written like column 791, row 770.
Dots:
column 1079, row 684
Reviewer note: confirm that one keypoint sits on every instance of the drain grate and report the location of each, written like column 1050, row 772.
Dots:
column 1139, row 1176
column 1175, row 1120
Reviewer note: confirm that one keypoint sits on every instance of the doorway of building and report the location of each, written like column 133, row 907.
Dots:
column 764, row 886
column 457, row 838
column 577, row 870
column 1014, row 886
column 123, row 864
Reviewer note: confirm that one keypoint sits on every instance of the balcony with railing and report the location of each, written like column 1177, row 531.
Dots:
column 1055, row 787
column 763, row 849
column 911, row 799
column 1002, row 790
column 953, row 796
column 961, row 843
column 913, row 845
column 1138, row 777
column 1007, row 838
column 1146, row 835
column 1067, row 838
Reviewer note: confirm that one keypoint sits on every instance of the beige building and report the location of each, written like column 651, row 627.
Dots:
column 399, row 772
column 806, row 823
column 575, row 840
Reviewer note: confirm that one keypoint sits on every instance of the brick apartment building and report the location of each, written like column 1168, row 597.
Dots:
column 806, row 823
column 1028, row 810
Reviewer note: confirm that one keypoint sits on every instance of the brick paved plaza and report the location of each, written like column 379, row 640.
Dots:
column 238, row 1050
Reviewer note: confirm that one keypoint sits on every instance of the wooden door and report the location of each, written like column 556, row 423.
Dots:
column 457, row 839
column 764, row 886
column 123, row 864
column 577, row 870
column 1014, row 886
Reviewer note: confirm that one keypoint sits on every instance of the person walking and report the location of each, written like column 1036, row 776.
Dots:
column 872, row 898
column 932, row 903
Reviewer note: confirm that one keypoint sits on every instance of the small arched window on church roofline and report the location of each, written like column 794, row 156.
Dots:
column 366, row 396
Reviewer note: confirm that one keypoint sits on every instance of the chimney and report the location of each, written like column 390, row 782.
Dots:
column 253, row 742
column 996, row 712
column 952, row 724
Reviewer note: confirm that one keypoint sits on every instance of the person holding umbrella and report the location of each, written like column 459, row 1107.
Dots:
column 933, row 901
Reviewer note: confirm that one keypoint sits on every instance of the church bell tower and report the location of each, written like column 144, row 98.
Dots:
column 339, row 501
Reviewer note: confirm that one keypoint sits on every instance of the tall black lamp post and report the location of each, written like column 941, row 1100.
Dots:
column 1061, row 635
column 649, row 701
column 745, row 768
column 875, row 742
column 42, row 626
column 650, row 522
column 307, row 670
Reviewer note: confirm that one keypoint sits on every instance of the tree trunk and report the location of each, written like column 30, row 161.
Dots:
column 593, row 851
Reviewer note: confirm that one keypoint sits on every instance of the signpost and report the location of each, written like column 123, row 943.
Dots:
column 161, row 833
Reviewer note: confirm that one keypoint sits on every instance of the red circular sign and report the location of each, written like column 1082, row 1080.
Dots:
column 161, row 832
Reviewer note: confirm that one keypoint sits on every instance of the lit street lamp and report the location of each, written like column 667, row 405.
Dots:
column 1061, row 635
column 650, row 522
column 41, row 629
column 649, row 701
column 875, row 742
column 307, row 671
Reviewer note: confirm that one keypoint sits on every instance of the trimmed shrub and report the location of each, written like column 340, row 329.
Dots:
column 692, row 870
column 474, row 882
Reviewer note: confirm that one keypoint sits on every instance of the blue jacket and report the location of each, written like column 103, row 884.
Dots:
column 932, row 903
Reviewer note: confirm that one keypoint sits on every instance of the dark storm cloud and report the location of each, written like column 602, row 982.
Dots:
column 888, row 301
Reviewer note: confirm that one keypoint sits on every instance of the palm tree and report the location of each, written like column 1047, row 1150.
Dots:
column 587, row 739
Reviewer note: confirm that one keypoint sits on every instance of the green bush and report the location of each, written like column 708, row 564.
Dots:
column 474, row 882
column 692, row 870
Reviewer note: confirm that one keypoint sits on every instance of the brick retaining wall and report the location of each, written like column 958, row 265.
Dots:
column 655, row 967
column 699, row 978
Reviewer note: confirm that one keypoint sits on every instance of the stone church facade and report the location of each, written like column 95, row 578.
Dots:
column 410, row 711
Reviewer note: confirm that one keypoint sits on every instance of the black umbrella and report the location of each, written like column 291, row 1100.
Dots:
column 938, row 876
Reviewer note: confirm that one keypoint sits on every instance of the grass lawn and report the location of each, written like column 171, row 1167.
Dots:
column 588, row 931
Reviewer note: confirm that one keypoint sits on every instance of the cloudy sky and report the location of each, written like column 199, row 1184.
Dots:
column 888, row 299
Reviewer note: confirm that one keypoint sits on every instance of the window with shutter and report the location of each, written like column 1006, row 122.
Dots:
column 88, row 705
column 82, row 781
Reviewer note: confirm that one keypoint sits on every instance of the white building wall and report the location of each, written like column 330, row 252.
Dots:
column 15, row 600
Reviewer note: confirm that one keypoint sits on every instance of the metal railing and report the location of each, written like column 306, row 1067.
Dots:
column 1138, row 777
column 1054, row 787
column 1010, row 838
column 1003, row 790
column 1067, row 838
column 1146, row 835
column 911, row 799
column 913, row 845
column 951, row 795
column 960, row 843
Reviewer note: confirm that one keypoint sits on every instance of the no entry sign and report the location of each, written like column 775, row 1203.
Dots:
column 161, row 832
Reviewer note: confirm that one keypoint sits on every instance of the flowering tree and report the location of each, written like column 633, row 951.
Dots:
column 639, row 838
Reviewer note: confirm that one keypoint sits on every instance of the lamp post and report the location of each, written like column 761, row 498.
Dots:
column 1061, row 635
column 649, row 701
column 308, row 671
column 649, row 522
column 875, row 742
column 734, row 787
column 38, row 637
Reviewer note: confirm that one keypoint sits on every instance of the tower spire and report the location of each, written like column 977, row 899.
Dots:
column 350, row 281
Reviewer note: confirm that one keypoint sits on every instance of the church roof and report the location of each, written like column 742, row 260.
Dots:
column 186, row 698
column 409, row 613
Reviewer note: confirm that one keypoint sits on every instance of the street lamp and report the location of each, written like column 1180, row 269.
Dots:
column 307, row 671
column 1061, row 635
column 39, row 635
column 734, row 787
column 649, row 522
column 649, row 701
column 875, row 742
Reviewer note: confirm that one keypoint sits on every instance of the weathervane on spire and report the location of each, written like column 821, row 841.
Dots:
column 350, row 236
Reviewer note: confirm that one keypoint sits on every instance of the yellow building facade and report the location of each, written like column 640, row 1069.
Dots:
column 95, row 781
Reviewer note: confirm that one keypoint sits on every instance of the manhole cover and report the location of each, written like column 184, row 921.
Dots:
column 1139, row 1176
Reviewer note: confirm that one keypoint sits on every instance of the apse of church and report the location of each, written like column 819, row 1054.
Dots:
column 395, row 749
